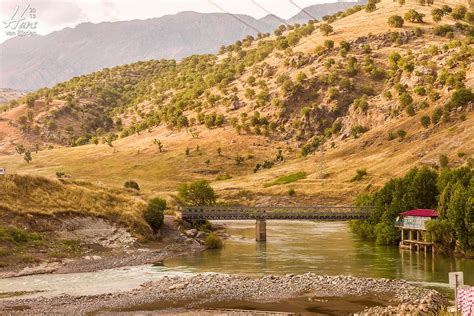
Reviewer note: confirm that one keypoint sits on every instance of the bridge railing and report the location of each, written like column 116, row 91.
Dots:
column 274, row 212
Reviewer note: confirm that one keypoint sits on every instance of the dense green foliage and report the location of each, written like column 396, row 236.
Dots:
column 154, row 215
column 197, row 193
column 451, row 192
column 213, row 241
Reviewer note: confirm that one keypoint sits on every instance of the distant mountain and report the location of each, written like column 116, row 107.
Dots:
column 319, row 10
column 28, row 63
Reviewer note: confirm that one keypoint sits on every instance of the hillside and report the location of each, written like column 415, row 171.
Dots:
column 315, row 102
column 33, row 62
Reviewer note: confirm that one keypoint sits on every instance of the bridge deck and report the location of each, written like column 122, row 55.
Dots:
column 322, row 213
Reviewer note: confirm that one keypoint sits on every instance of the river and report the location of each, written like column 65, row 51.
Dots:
column 291, row 247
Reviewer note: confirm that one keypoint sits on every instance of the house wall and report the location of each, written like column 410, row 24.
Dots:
column 415, row 222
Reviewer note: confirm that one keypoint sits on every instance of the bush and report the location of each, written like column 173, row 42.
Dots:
column 291, row 192
column 154, row 215
column 443, row 30
column 360, row 174
column 395, row 21
column 405, row 99
column 197, row 193
column 414, row 16
column 437, row 14
column 326, row 29
column 443, row 161
column 425, row 121
column 459, row 12
column 401, row 133
column 370, row 6
column 329, row 44
column 213, row 241
column 461, row 97
column 130, row 184
column 436, row 115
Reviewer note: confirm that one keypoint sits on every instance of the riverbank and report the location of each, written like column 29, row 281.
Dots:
column 196, row 290
column 112, row 248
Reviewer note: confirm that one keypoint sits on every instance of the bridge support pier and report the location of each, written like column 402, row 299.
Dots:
column 261, row 230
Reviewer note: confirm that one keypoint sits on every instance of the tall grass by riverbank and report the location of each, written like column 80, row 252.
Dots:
column 24, row 195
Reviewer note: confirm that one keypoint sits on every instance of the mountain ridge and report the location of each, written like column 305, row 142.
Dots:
column 44, row 60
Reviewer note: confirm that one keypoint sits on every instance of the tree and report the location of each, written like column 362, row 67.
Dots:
column 405, row 99
column 329, row 44
column 401, row 2
column 414, row 16
column 326, row 29
column 159, row 144
column 20, row 149
column 371, row 6
column 197, row 193
column 219, row 151
column 443, row 161
column 27, row 156
column 437, row 14
column 436, row 115
column 459, row 12
column 425, row 121
column 461, row 97
column 154, row 215
column 130, row 184
column 395, row 21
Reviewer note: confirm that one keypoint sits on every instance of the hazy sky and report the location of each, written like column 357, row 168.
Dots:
column 52, row 15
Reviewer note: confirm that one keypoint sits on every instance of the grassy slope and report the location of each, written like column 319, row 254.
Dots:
column 34, row 195
column 159, row 173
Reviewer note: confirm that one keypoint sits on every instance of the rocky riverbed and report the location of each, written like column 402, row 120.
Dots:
column 196, row 290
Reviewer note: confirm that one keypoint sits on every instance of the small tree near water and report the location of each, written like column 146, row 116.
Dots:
column 154, row 213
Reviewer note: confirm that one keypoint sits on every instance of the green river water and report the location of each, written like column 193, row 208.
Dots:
column 292, row 247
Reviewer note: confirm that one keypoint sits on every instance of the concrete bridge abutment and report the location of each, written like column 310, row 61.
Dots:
column 261, row 230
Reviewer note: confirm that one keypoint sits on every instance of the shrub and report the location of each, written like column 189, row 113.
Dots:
column 425, row 121
column 442, row 30
column 130, row 184
column 443, row 161
column 459, row 12
column 401, row 133
column 414, row 16
column 329, row 44
column 370, row 6
column 410, row 110
column 401, row 2
column 291, row 192
column 360, row 174
column 213, row 241
column 154, row 215
column 405, row 99
column 461, row 97
column 395, row 21
column 197, row 193
column 326, row 29
column 436, row 115
column 437, row 14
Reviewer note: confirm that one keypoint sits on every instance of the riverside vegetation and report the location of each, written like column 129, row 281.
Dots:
column 449, row 191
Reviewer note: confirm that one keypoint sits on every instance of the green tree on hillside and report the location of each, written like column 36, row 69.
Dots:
column 197, row 193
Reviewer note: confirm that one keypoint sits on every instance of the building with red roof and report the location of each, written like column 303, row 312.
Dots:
column 413, row 230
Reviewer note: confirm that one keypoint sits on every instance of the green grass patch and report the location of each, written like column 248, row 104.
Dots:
column 286, row 179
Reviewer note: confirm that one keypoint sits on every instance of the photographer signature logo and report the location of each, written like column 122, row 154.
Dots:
column 22, row 22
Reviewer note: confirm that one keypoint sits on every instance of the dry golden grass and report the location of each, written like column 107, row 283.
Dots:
column 34, row 195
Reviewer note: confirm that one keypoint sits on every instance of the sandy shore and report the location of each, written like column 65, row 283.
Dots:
column 196, row 290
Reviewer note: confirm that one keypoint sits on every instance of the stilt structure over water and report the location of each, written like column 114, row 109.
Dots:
column 413, row 232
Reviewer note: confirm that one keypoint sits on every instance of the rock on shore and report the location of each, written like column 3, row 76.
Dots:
column 203, row 288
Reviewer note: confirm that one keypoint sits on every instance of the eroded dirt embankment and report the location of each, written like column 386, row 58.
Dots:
column 98, row 244
column 196, row 290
